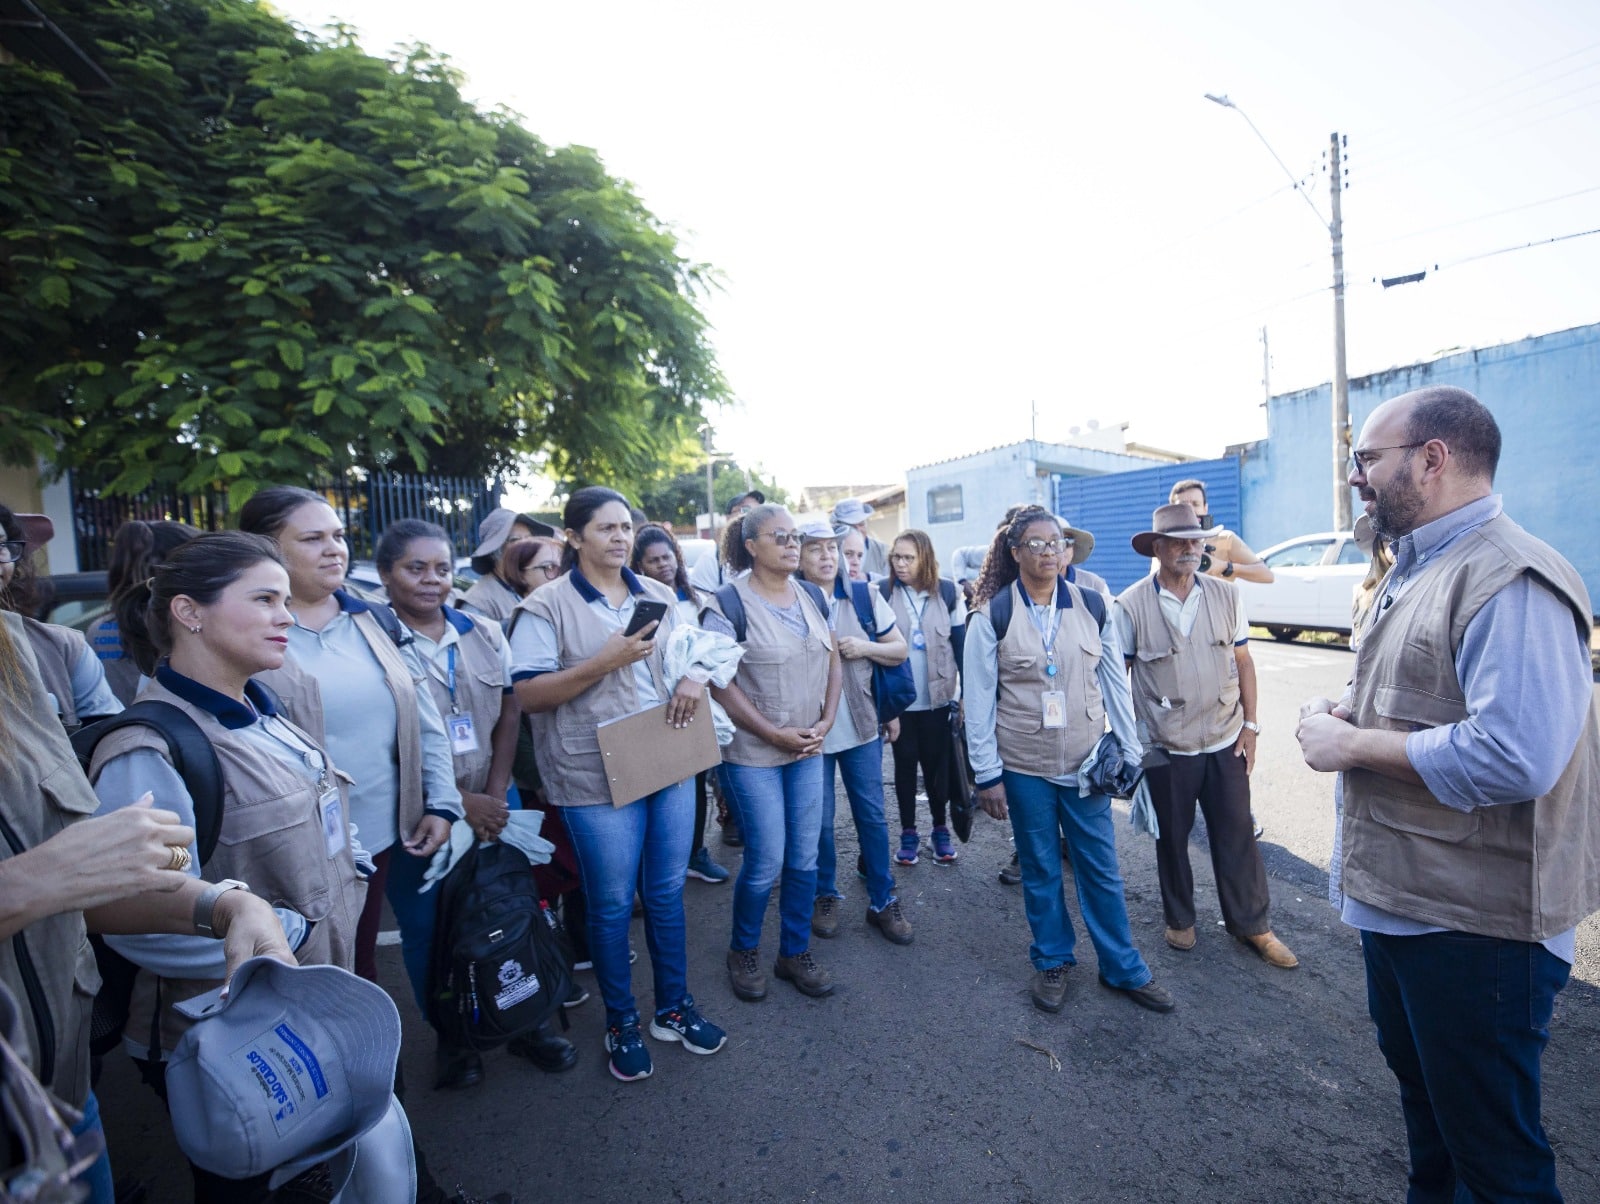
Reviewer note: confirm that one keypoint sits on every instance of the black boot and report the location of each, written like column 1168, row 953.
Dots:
column 549, row 1052
column 455, row 1068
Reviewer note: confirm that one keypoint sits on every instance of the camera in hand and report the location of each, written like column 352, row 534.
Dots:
column 1205, row 557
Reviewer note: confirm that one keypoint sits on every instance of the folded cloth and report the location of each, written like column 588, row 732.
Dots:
column 1142, row 814
column 521, row 833
column 1111, row 769
column 703, row 656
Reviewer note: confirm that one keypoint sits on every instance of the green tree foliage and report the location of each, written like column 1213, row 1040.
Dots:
column 265, row 256
column 680, row 497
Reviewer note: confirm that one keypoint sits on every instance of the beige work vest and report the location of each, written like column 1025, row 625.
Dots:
column 941, row 649
column 855, row 686
column 55, row 650
column 566, row 740
column 480, row 689
column 1520, row 871
column 1198, row 677
column 784, row 677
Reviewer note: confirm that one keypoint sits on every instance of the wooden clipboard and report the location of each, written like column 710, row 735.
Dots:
column 643, row 753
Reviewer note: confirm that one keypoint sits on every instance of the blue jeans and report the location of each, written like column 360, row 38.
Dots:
column 98, row 1177
column 416, row 914
column 1039, row 811
column 780, row 809
column 862, row 770
column 1462, row 1021
column 643, row 846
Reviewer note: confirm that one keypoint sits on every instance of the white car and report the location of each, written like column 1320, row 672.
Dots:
column 1314, row 582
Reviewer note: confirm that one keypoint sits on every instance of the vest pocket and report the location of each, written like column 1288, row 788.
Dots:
column 1160, row 666
column 1423, row 816
column 1416, row 709
column 65, row 786
column 578, row 737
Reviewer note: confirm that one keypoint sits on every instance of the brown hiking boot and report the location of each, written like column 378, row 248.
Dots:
column 1049, row 989
column 825, row 916
column 892, row 922
column 808, row 977
column 744, row 972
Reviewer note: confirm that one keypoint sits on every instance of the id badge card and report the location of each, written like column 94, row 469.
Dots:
column 917, row 640
column 1055, row 709
column 331, row 811
column 463, row 736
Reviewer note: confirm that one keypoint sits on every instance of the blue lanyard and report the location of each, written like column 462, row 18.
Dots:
column 451, row 680
column 1047, row 632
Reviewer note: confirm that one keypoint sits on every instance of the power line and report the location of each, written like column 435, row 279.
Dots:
column 1482, row 217
column 1414, row 277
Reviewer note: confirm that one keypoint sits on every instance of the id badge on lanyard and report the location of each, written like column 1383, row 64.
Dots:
column 1055, row 708
column 463, row 733
column 331, row 810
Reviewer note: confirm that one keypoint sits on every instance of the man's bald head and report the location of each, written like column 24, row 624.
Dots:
column 1454, row 417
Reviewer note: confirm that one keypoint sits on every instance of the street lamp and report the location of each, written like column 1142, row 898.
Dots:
column 1341, row 380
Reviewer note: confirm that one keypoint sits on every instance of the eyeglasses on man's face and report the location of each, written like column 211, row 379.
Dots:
column 13, row 550
column 1040, row 546
column 1361, row 461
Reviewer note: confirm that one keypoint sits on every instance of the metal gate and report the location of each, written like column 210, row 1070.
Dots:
column 1114, row 507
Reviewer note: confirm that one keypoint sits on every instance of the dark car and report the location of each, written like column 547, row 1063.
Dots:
column 77, row 600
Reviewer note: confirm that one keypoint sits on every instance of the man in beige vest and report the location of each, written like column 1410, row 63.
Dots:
column 1469, row 759
column 1187, row 646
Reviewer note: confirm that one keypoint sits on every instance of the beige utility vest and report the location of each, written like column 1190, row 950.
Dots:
column 56, row 649
column 855, row 687
column 302, row 705
column 42, row 790
column 566, row 740
column 784, row 677
column 271, row 837
column 1520, row 871
column 492, row 597
column 1198, row 676
column 941, row 650
column 1024, row 743
column 480, row 688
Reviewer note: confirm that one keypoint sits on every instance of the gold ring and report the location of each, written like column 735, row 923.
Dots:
column 179, row 858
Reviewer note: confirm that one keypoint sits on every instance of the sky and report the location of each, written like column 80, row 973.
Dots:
column 930, row 219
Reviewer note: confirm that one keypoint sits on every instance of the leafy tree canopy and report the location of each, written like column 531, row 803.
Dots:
column 264, row 256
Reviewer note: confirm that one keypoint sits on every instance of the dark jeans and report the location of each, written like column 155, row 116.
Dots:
column 924, row 740
column 1462, row 1021
column 1218, row 780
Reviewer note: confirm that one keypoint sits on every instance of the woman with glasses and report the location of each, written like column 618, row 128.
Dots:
column 933, row 614
column 1037, row 700
column 575, row 668
column 782, row 702
column 534, row 562
column 656, row 554
column 73, row 675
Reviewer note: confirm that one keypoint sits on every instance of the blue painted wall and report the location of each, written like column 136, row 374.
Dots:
column 1115, row 508
column 1543, row 391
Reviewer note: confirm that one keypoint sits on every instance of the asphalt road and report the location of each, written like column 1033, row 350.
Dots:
column 929, row 1077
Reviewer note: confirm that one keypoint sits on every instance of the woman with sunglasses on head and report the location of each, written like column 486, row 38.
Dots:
column 213, row 615
column 575, row 667
column 656, row 554
column 782, row 702
column 933, row 613
column 353, row 679
column 72, row 674
column 1037, row 700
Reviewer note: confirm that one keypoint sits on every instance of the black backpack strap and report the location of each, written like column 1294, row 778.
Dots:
column 193, row 757
column 947, row 591
column 391, row 624
column 1096, row 605
column 1000, row 612
column 861, row 599
column 733, row 609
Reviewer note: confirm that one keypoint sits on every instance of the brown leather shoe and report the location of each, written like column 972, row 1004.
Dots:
column 892, row 922
column 1181, row 939
column 825, row 916
column 744, row 973
column 808, row 977
column 1271, row 950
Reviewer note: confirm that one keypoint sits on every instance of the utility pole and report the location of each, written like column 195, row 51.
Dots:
column 1341, row 380
column 1266, row 370
column 711, row 500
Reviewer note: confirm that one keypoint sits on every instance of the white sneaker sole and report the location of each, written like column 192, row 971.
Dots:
column 661, row 1033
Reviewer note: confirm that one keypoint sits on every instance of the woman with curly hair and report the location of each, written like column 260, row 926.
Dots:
column 1043, row 673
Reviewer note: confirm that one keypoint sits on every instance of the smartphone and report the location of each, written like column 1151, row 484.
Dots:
column 645, row 612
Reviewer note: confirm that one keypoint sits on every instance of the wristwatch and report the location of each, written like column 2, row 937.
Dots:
column 1251, row 725
column 1227, row 569
column 206, row 905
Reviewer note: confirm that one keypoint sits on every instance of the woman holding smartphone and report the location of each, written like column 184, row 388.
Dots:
column 588, row 649
column 782, row 702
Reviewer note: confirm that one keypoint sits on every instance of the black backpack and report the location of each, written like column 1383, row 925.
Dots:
column 1000, row 609
column 196, row 763
column 500, row 965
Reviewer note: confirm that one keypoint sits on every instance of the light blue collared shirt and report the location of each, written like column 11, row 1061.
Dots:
column 1521, row 676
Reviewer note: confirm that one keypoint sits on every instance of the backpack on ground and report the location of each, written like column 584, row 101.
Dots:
column 196, row 763
column 894, row 688
column 500, row 965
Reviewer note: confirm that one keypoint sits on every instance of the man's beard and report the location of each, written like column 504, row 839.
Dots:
column 1395, row 512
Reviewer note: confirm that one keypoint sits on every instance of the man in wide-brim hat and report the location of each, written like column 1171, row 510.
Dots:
column 1186, row 641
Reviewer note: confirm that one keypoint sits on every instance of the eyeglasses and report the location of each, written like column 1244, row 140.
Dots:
column 783, row 538
column 553, row 569
column 13, row 550
column 902, row 557
column 1040, row 546
column 1368, row 456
